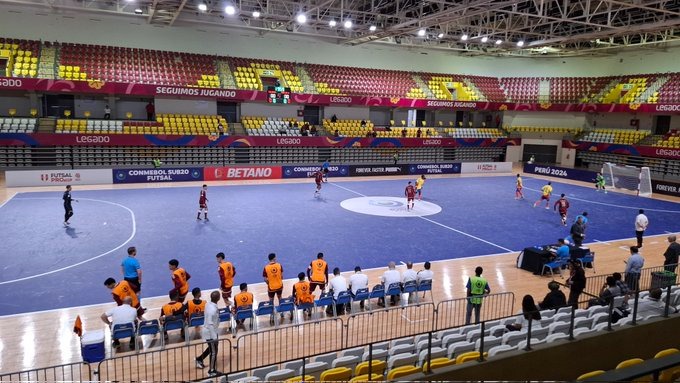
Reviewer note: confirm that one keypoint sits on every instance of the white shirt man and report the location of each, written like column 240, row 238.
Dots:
column 388, row 278
column 641, row 223
column 209, row 334
column 425, row 275
column 212, row 321
column 358, row 280
column 338, row 283
column 122, row 314
column 409, row 274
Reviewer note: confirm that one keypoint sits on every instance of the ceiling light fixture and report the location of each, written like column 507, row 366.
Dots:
column 440, row 35
column 229, row 10
column 348, row 24
column 202, row 7
column 499, row 42
column 301, row 18
column 464, row 37
column 372, row 28
column 520, row 43
column 256, row 14
column 485, row 39
column 421, row 32
column 332, row 23
column 138, row 11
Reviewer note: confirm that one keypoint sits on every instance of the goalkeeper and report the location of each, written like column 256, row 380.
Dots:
column 599, row 182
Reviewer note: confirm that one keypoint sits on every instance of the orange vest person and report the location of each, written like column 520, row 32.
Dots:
column 317, row 272
column 122, row 290
column 227, row 272
column 302, row 293
column 243, row 299
column 180, row 279
column 172, row 310
column 273, row 276
column 195, row 306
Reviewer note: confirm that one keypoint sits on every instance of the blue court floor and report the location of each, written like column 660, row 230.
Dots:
column 46, row 266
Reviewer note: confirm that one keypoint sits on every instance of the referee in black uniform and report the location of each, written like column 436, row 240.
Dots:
column 68, row 208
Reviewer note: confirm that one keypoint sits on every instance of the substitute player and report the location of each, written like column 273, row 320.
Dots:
column 317, row 272
column 546, row 192
column 563, row 205
column 518, row 188
column 203, row 204
column 273, row 277
column 180, row 280
column 599, row 182
column 122, row 290
column 227, row 272
column 68, row 208
column 318, row 178
column 419, row 186
column 410, row 193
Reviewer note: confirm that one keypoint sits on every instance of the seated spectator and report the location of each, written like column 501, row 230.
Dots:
column 403, row 133
column 220, row 129
column 409, row 275
column 290, row 124
column 625, row 290
column 363, row 123
column 389, row 277
column 122, row 314
column 357, row 281
column 426, row 274
column 295, row 124
column 196, row 306
column 419, row 133
column 554, row 299
column 562, row 249
column 607, row 294
column 337, row 284
column 336, row 133
column 313, row 130
column 653, row 305
column 369, row 134
column 529, row 312
column 304, row 132
column 374, row 135
column 334, row 118
column 171, row 311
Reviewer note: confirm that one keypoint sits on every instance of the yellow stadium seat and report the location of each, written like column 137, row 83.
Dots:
column 671, row 374
column 364, row 378
column 439, row 363
column 633, row 362
column 378, row 367
column 306, row 378
column 402, row 371
column 467, row 356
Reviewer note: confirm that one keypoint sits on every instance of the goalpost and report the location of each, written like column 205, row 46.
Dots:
column 628, row 177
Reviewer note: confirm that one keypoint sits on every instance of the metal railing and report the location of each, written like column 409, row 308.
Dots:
column 382, row 325
column 648, row 279
column 454, row 312
column 66, row 372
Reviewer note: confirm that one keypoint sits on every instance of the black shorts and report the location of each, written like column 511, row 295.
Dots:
column 275, row 292
column 134, row 283
column 314, row 285
column 325, row 171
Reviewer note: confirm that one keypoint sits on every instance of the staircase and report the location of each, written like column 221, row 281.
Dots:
column 239, row 130
column 47, row 125
column 650, row 140
column 305, row 79
column 471, row 85
column 421, row 84
column 47, row 62
column 605, row 91
column 544, row 91
column 648, row 94
column 225, row 75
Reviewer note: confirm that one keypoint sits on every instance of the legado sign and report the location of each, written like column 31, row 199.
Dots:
column 126, row 176
column 58, row 177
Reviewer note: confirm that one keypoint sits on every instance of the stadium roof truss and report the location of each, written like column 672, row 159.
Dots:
column 546, row 27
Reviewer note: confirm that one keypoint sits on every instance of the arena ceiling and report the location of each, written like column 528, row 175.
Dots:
column 470, row 27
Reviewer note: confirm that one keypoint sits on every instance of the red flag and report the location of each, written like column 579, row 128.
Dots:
column 78, row 326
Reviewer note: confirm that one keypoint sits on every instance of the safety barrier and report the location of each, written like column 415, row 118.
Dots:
column 454, row 312
column 382, row 325
column 650, row 278
column 65, row 372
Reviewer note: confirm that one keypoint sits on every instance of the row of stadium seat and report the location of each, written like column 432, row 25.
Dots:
column 17, row 125
column 615, row 136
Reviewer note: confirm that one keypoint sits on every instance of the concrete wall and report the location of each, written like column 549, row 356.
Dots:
column 10, row 100
column 269, row 110
column 347, row 112
column 566, row 120
column 167, row 105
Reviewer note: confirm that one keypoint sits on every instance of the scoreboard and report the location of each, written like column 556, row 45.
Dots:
column 278, row 95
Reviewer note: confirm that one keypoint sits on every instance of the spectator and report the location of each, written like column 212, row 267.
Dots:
column 302, row 293
column 338, row 284
column 625, row 290
column 577, row 232
column 576, row 282
column 107, row 112
column 150, row 111
column 671, row 255
column 395, row 157
column 209, row 333
column 295, row 124
column 290, row 124
column 357, row 281
column 363, row 123
column 334, row 118
column 555, row 297
column 409, row 275
column 388, row 278
column 426, row 274
column 634, row 265
column 304, row 132
column 653, row 305
column 608, row 292
column 403, row 133
column 313, row 130
column 641, row 223
column 529, row 313
column 374, row 134
column 122, row 314
column 220, row 129
column 336, row 133
column 477, row 287
column 419, row 133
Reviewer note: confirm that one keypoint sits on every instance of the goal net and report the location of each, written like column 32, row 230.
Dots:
column 628, row 177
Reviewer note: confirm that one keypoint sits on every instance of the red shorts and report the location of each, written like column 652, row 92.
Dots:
column 314, row 285
column 545, row 197
column 202, row 205
column 409, row 199
column 226, row 292
column 275, row 292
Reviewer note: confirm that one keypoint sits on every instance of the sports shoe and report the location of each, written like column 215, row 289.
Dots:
column 206, row 219
column 547, row 207
column 199, row 364
column 198, row 218
column 212, row 373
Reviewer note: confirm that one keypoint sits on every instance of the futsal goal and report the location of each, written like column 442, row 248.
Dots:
column 628, row 177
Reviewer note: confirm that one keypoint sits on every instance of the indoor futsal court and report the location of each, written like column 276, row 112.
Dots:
column 353, row 223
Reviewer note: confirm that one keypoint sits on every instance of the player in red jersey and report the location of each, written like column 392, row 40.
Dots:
column 410, row 194
column 563, row 205
column 318, row 178
column 203, row 204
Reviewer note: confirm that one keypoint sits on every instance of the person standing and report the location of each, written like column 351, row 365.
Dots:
column 203, row 204
column 577, row 232
column 317, row 272
column 325, row 168
column 180, row 280
column 132, row 270
column 518, row 188
column 273, row 277
column 563, row 205
column 672, row 254
column 227, row 272
column 68, row 207
column 419, row 186
column 477, row 287
column 546, row 192
column 318, row 179
column 634, row 265
column 150, row 111
column 107, row 112
column 641, row 223
column 210, row 335
column 410, row 193
column 122, row 290
column 576, row 282
column 599, row 183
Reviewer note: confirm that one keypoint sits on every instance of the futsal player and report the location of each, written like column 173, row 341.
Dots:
column 318, row 178
column 563, row 205
column 410, row 193
column 180, row 279
column 203, row 204
column 546, row 192
column 227, row 272
column 325, row 168
column 122, row 290
column 518, row 189
column 273, row 277
column 419, row 186
column 317, row 272
column 599, row 182
column 68, row 208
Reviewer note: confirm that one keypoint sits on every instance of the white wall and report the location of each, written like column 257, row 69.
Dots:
column 566, row 120
column 347, row 112
column 269, row 110
column 619, row 120
column 135, row 32
column 540, row 141
column 167, row 105
column 94, row 105
column 21, row 104
column 513, row 153
column 135, row 106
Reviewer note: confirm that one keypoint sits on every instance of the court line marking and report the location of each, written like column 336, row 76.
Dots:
column 132, row 235
column 8, row 199
column 439, row 224
column 602, row 242
column 412, row 321
column 612, row 204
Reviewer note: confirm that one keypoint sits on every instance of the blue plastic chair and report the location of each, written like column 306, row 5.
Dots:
column 195, row 320
column 173, row 323
column 286, row 305
column 344, row 298
column 122, row 331
column 588, row 258
column 411, row 288
column 225, row 316
column 243, row 313
column 393, row 289
column 325, row 300
column 424, row 286
column 148, row 327
column 377, row 292
column 265, row 308
column 303, row 306
column 555, row 264
column 362, row 295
